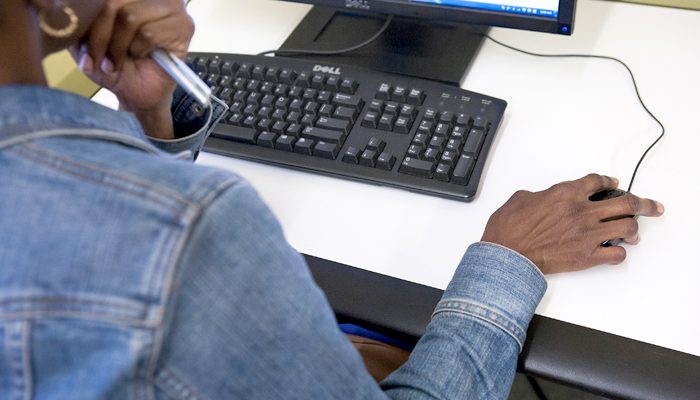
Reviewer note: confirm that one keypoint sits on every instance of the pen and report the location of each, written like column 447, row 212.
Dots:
column 183, row 75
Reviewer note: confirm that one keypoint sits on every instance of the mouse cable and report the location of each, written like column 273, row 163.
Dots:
column 634, row 82
column 299, row 52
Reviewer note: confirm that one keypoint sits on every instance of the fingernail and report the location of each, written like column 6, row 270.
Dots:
column 106, row 66
column 85, row 63
column 660, row 208
column 616, row 181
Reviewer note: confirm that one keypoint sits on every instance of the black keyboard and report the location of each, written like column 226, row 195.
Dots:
column 351, row 123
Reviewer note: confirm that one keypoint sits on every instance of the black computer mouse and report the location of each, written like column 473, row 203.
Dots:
column 606, row 195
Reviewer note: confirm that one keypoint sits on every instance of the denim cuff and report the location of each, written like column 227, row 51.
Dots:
column 192, row 124
column 496, row 285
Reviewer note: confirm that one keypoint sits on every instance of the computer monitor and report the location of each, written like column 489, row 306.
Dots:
column 433, row 39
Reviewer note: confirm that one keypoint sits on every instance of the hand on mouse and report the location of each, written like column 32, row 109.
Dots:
column 115, row 54
column 561, row 230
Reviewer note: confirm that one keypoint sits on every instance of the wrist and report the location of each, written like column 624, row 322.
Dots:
column 157, row 122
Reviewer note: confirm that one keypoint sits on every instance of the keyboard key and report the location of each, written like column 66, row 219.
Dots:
column 368, row 158
column 294, row 116
column 254, row 98
column 326, row 110
column 426, row 127
column 226, row 81
column 281, row 90
column 345, row 100
column 453, row 145
column 384, row 92
column 250, row 121
column 334, row 124
column 391, row 108
column 296, row 92
column 414, row 151
column 376, row 144
column 317, row 81
column 431, row 154
column 310, row 94
column 403, row 125
column 225, row 94
column 268, row 88
column 481, row 123
column 409, row 112
column 430, row 115
column 285, row 142
column 352, row 155
column 326, row 150
column 311, row 108
column 303, row 80
column 268, row 100
column 229, row 67
column 371, row 120
column 308, row 120
column 279, row 127
column 239, row 84
column 442, row 130
column 200, row 65
column 459, row 134
column 416, row 97
column 236, row 134
column 386, row 161
column 442, row 172
column 294, row 129
column 333, row 83
column 377, row 106
column 264, row 124
column 447, row 117
column 463, row 120
column 325, row 97
column 297, row 105
column 348, row 86
column 417, row 167
column 304, row 146
column 267, row 139
column 399, row 94
column 236, row 119
column 287, row 76
column 250, row 109
column 437, row 143
column 421, row 139
column 449, row 157
column 253, row 85
column 463, row 170
column 272, row 74
column 345, row 113
column 282, row 103
column 264, row 112
column 386, row 122
column 279, row 115
column 474, row 143
column 258, row 72
column 323, row 135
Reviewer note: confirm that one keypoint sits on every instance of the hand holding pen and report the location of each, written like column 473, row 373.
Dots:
column 120, row 50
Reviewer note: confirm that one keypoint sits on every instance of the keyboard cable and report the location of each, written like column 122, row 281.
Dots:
column 634, row 82
column 299, row 52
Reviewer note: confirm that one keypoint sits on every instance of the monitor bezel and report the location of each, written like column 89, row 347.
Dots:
column 563, row 24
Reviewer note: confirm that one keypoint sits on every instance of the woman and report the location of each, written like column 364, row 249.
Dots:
column 128, row 273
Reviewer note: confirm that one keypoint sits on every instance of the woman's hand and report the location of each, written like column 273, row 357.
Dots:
column 115, row 54
column 561, row 230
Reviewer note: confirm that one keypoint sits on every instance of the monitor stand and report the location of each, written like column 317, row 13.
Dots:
column 422, row 48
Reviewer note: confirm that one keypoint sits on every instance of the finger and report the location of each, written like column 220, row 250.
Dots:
column 630, row 204
column 613, row 255
column 626, row 229
column 594, row 183
column 172, row 34
column 129, row 21
column 100, row 34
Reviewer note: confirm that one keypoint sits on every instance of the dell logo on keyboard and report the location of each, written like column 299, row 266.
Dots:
column 328, row 70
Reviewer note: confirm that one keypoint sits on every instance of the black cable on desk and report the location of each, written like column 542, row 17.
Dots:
column 634, row 82
column 300, row 52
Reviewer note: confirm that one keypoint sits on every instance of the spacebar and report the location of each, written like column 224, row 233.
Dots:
column 235, row 133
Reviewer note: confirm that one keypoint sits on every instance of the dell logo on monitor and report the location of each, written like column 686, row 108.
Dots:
column 327, row 70
column 359, row 4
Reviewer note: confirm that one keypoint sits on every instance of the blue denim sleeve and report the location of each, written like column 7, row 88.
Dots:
column 192, row 124
column 247, row 321
column 477, row 330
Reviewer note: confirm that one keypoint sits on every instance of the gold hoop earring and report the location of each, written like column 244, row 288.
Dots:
column 59, row 33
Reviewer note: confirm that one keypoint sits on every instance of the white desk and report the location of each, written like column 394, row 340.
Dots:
column 565, row 118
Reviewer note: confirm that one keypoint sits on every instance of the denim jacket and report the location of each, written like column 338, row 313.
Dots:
column 128, row 273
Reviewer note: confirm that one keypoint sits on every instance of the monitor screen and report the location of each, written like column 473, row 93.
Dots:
column 553, row 16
